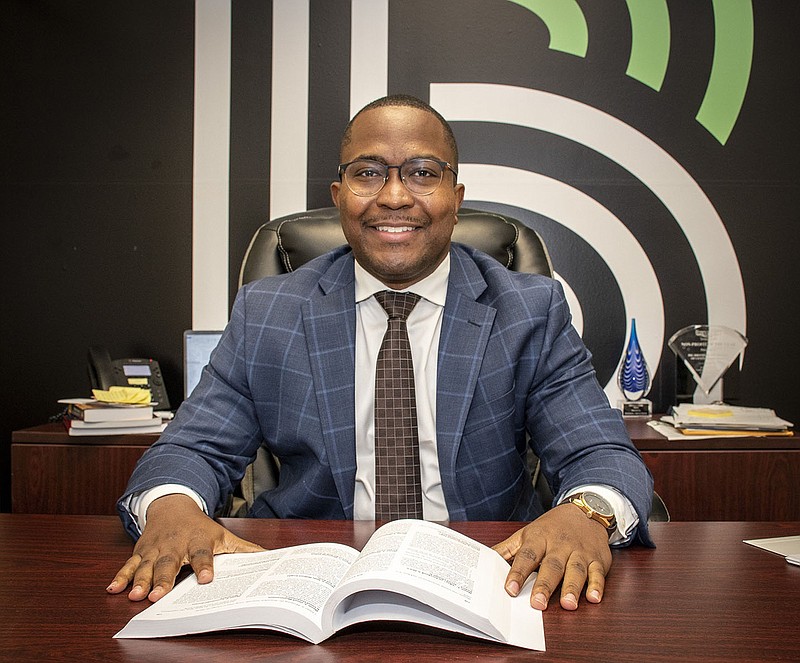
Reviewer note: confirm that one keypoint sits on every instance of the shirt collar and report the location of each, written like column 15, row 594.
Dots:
column 432, row 287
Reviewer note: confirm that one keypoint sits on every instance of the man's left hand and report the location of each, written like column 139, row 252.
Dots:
column 567, row 548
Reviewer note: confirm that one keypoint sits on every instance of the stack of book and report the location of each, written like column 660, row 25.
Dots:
column 723, row 419
column 91, row 417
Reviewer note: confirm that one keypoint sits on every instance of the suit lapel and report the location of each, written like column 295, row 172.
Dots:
column 466, row 327
column 330, row 327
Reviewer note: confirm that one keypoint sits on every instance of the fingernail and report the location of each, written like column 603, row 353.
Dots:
column 111, row 586
column 593, row 596
column 539, row 601
column 513, row 588
column 570, row 600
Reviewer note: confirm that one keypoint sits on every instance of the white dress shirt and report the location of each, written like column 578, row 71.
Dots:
column 424, row 326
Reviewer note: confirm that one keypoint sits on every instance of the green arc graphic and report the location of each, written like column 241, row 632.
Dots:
column 650, row 42
column 565, row 22
column 730, row 70
column 650, row 49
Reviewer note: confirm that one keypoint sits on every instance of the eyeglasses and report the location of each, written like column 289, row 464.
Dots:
column 366, row 178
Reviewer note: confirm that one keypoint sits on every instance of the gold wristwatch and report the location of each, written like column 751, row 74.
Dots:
column 596, row 508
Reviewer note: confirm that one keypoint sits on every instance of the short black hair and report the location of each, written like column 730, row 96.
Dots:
column 409, row 101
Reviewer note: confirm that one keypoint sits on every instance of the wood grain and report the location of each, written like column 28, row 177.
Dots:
column 702, row 595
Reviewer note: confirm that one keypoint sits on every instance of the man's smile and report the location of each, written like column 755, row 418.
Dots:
column 394, row 229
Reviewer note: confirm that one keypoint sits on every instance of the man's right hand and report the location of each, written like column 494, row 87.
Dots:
column 177, row 532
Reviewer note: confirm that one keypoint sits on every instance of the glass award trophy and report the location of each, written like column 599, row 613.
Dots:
column 707, row 351
column 634, row 380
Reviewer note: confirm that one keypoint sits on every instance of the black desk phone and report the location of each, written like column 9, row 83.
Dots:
column 131, row 372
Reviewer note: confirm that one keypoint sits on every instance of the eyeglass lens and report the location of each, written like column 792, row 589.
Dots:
column 366, row 178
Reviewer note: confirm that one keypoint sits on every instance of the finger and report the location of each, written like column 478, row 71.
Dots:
column 142, row 580
column 551, row 571
column 164, row 571
column 201, row 559
column 526, row 561
column 232, row 543
column 124, row 575
column 508, row 548
column 597, row 582
column 575, row 576
column 242, row 545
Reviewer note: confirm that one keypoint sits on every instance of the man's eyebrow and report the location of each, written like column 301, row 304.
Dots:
column 382, row 160
column 369, row 157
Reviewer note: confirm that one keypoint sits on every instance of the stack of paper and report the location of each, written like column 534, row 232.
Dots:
column 692, row 419
column 88, row 416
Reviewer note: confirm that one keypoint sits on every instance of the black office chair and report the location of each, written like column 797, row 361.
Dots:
column 284, row 244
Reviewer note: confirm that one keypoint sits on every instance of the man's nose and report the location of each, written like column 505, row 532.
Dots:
column 394, row 193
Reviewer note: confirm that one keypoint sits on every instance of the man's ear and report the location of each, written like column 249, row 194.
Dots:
column 335, row 187
column 458, row 191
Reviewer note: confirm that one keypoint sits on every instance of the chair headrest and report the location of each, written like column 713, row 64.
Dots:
column 282, row 245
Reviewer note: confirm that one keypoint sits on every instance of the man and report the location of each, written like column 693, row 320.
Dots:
column 494, row 354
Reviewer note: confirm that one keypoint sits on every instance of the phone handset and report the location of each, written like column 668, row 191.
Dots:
column 101, row 368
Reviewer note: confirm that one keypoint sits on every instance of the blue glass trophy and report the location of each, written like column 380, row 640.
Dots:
column 634, row 380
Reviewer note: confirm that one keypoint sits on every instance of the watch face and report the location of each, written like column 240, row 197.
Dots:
column 598, row 504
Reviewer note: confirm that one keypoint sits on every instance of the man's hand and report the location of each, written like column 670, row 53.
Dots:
column 568, row 548
column 177, row 532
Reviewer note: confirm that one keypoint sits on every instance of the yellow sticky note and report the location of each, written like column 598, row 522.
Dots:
column 126, row 395
column 709, row 412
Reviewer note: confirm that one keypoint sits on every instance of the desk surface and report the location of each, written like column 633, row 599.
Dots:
column 701, row 595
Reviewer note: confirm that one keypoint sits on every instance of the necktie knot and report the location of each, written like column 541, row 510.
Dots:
column 397, row 304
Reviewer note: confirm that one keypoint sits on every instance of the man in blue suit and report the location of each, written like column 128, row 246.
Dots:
column 496, row 362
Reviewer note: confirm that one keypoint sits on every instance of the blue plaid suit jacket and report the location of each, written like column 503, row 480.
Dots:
column 512, row 370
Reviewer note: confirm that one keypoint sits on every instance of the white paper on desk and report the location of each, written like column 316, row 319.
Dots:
column 780, row 545
column 720, row 417
column 672, row 433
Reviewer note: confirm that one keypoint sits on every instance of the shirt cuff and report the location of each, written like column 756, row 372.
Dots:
column 139, row 503
column 627, row 520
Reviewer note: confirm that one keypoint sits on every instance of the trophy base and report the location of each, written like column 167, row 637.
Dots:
column 641, row 408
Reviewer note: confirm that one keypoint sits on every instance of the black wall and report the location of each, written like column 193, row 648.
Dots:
column 97, row 131
column 97, row 194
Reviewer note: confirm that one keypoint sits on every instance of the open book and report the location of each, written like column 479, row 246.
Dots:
column 409, row 570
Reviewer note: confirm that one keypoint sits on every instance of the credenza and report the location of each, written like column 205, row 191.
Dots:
column 741, row 479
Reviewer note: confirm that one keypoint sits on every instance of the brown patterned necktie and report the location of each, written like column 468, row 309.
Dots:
column 398, row 489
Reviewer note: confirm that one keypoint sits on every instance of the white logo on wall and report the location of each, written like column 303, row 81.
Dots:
column 639, row 155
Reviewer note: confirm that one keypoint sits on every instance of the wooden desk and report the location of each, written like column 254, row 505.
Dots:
column 701, row 595
column 736, row 478
column 720, row 479
column 52, row 472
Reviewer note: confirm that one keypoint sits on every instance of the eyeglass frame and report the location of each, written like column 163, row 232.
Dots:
column 443, row 164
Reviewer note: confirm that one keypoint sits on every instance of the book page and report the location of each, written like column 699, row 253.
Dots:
column 283, row 589
column 450, row 573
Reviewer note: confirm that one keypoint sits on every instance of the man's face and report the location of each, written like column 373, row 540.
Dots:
column 398, row 236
